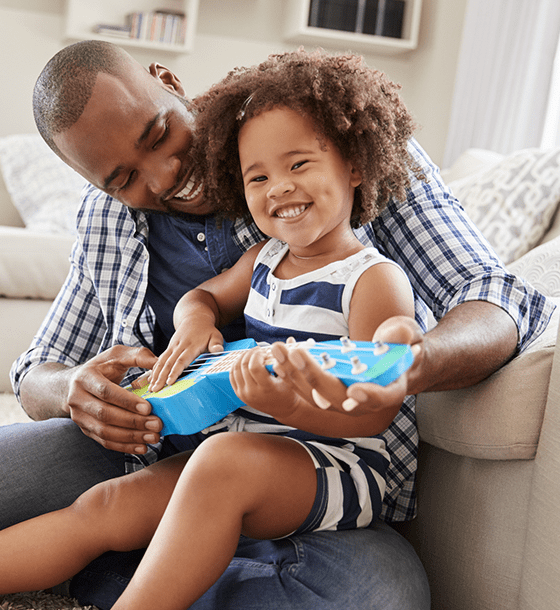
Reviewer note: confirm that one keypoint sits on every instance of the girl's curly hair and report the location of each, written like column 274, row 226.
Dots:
column 356, row 108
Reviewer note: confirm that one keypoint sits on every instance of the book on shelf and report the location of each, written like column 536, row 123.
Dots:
column 162, row 26
column 107, row 29
column 376, row 17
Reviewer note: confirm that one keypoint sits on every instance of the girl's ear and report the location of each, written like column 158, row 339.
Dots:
column 167, row 79
column 355, row 176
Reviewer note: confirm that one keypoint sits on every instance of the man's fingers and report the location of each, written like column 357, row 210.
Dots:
column 398, row 329
column 116, row 428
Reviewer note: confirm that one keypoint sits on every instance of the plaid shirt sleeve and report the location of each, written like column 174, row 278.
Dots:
column 447, row 259
column 101, row 291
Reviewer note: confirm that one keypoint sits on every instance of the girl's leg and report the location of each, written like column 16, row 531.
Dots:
column 120, row 514
column 262, row 486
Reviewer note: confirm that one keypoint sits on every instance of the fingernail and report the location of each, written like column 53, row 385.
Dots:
column 278, row 354
column 297, row 360
column 140, row 449
column 359, row 395
column 151, row 438
column 320, row 401
column 152, row 424
column 143, row 408
column 350, row 404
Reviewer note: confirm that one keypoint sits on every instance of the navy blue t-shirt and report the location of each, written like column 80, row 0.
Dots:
column 183, row 254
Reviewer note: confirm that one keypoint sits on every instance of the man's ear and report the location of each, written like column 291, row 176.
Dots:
column 167, row 78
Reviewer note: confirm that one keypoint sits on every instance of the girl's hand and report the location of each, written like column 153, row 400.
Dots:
column 188, row 342
column 258, row 388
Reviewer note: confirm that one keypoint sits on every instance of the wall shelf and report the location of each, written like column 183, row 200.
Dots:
column 300, row 13
column 83, row 15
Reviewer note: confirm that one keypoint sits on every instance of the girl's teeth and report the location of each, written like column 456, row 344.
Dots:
column 291, row 212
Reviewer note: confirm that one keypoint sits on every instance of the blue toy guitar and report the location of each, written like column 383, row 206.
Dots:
column 203, row 395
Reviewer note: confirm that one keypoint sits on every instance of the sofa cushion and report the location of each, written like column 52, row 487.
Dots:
column 44, row 190
column 32, row 265
column 513, row 202
column 500, row 418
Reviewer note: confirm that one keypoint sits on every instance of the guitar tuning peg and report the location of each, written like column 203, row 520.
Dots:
column 380, row 348
column 357, row 366
column 347, row 345
column 310, row 342
column 327, row 362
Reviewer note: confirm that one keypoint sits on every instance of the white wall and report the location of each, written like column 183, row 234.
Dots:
column 229, row 34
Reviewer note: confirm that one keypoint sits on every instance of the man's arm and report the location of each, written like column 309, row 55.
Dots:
column 90, row 395
column 71, row 370
column 470, row 343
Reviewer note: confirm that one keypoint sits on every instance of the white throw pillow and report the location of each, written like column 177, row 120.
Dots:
column 45, row 191
column 541, row 267
column 513, row 202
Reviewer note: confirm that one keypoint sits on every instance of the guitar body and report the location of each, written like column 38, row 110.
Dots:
column 204, row 396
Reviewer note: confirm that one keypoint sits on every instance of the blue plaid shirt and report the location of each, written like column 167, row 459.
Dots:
column 448, row 262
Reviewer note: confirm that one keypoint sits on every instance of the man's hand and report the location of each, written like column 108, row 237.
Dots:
column 472, row 341
column 360, row 399
column 90, row 395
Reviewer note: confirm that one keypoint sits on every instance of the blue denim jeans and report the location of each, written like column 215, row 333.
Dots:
column 46, row 465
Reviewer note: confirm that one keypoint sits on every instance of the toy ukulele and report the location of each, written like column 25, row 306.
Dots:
column 203, row 395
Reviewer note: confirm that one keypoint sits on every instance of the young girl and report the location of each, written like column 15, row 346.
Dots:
column 315, row 143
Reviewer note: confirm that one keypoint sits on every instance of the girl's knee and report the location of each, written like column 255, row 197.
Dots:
column 98, row 500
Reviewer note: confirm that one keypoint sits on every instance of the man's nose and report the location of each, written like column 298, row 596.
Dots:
column 162, row 175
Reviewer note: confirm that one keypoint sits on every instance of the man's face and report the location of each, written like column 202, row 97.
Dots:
column 133, row 140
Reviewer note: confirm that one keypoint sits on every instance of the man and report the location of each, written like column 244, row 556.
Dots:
column 128, row 132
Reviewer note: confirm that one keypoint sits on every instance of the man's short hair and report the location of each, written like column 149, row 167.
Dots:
column 66, row 83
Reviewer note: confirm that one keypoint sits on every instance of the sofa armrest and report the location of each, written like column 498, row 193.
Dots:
column 541, row 561
column 499, row 418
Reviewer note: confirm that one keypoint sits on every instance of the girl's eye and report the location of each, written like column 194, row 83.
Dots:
column 298, row 164
column 258, row 179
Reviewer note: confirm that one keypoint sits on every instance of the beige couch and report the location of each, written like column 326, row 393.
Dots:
column 489, row 475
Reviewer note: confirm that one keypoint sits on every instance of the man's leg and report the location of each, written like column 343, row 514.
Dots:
column 368, row 569
column 46, row 465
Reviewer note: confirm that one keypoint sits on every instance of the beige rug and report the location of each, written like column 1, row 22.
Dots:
column 40, row 601
column 10, row 413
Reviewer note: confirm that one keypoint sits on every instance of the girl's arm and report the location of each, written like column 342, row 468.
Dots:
column 198, row 315
column 381, row 292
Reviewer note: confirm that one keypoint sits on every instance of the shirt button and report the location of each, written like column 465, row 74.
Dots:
column 201, row 237
column 224, row 269
column 124, row 323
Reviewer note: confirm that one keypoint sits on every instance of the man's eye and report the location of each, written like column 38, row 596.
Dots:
column 163, row 136
column 128, row 182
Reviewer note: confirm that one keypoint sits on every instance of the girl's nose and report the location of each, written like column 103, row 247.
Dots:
column 279, row 188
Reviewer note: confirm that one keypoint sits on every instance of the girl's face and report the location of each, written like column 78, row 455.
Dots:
column 298, row 188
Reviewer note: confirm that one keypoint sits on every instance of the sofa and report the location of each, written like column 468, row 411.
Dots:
column 489, row 460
